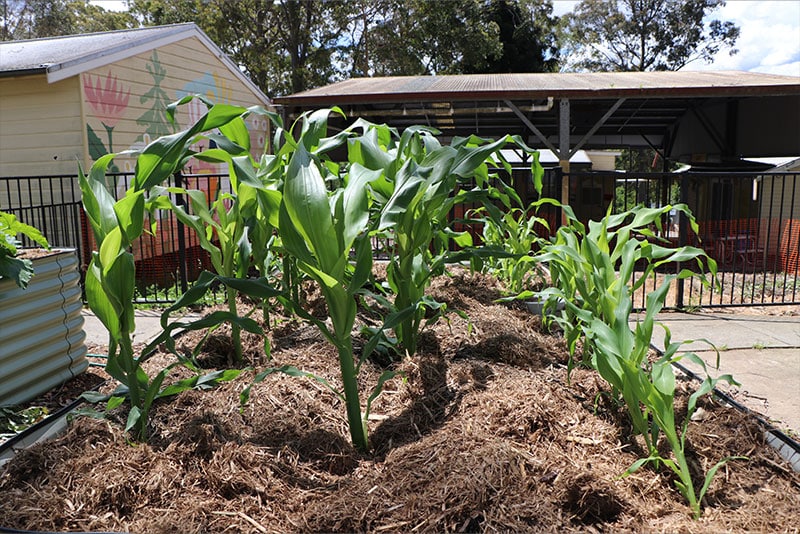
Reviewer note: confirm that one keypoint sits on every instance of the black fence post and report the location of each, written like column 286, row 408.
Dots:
column 683, row 231
column 182, row 271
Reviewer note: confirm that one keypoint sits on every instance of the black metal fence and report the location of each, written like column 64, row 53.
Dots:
column 749, row 223
column 167, row 260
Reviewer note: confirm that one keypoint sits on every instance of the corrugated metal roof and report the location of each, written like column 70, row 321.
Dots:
column 63, row 57
column 542, row 85
column 40, row 54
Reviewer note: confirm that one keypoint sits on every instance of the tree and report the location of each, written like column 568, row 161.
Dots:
column 527, row 36
column 284, row 46
column 640, row 35
column 32, row 19
column 431, row 37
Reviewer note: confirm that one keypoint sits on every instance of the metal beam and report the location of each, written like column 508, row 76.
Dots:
column 596, row 126
column 564, row 154
column 533, row 128
column 705, row 122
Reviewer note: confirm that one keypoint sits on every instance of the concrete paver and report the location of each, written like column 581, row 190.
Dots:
column 761, row 352
column 148, row 326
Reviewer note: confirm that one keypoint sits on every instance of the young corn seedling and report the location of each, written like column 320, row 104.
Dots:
column 592, row 270
column 592, row 267
column 235, row 228
column 649, row 389
column 514, row 232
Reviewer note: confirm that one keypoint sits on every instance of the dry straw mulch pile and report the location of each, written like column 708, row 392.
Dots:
column 484, row 434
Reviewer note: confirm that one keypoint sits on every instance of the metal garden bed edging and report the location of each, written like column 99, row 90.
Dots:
column 41, row 329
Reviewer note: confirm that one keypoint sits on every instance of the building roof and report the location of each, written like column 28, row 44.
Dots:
column 544, row 85
column 63, row 57
column 600, row 110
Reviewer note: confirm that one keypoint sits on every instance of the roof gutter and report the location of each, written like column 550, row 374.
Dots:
column 23, row 72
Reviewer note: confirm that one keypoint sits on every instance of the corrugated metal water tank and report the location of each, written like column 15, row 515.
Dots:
column 42, row 342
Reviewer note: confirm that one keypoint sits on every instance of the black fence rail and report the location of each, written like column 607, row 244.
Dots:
column 749, row 223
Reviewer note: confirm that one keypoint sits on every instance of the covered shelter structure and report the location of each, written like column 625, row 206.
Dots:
column 715, row 118
column 713, row 123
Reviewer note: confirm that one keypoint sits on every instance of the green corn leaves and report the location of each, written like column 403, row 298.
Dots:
column 591, row 269
column 300, row 208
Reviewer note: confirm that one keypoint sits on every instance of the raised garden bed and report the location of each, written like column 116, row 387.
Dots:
column 484, row 434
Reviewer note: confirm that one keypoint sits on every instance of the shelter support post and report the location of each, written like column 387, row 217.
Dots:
column 563, row 153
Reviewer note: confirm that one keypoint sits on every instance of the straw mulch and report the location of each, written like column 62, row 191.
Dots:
column 483, row 434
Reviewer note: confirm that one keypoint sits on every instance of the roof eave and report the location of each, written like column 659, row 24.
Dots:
column 440, row 96
column 22, row 72
column 67, row 69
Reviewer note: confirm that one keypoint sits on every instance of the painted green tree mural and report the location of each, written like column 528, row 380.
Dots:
column 155, row 119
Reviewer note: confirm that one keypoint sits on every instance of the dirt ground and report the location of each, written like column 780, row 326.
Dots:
column 483, row 434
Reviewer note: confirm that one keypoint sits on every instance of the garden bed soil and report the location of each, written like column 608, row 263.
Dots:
column 483, row 434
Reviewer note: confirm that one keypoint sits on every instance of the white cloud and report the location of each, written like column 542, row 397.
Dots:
column 769, row 39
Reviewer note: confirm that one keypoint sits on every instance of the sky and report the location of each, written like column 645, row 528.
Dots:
column 769, row 40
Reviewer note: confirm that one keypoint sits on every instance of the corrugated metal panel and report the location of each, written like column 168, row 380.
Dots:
column 542, row 85
column 33, row 54
column 41, row 330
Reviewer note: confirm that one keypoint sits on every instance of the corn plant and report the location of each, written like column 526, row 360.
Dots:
column 320, row 229
column 592, row 266
column 421, row 182
column 111, row 273
column 591, row 271
column 514, row 231
column 235, row 228
column 19, row 270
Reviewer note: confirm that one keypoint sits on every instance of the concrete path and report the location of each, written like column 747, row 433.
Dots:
column 761, row 352
column 148, row 326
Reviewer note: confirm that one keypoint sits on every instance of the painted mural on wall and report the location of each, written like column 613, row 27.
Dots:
column 126, row 116
column 154, row 120
column 113, row 127
column 108, row 100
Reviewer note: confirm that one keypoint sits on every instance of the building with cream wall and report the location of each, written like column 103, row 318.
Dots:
column 68, row 100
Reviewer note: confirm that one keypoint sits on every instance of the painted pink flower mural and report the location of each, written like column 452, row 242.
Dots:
column 108, row 101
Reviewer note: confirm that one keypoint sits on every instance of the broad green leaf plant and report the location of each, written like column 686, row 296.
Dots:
column 514, row 231
column 591, row 271
column 421, row 181
column 325, row 231
column 19, row 270
column 236, row 227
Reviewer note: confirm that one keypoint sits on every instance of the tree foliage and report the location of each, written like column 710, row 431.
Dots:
column 416, row 37
column 284, row 46
column 31, row 19
column 287, row 46
column 640, row 35
column 527, row 34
